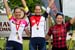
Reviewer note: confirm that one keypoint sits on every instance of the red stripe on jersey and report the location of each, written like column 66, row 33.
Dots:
column 35, row 20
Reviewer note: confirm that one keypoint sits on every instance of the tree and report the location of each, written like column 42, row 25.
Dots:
column 30, row 3
column 1, row 5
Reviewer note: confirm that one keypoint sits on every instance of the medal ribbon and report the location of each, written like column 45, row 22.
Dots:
column 17, row 27
column 37, row 20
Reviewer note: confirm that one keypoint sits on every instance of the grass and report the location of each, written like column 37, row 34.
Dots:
column 2, row 43
column 25, row 44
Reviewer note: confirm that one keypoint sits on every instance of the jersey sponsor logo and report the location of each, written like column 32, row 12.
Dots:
column 33, row 21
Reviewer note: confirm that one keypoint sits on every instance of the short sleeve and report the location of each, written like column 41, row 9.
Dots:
column 26, row 24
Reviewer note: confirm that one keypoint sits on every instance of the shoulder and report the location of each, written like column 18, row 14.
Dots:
column 12, row 18
column 23, row 21
column 51, row 28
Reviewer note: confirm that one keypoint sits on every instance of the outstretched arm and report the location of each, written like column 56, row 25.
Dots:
column 25, row 6
column 24, row 3
column 8, row 11
column 50, row 2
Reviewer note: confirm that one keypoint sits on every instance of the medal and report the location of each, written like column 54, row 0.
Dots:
column 37, row 19
column 17, row 27
column 16, row 32
column 17, row 36
column 37, row 28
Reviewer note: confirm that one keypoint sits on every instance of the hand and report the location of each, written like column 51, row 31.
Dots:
column 6, row 0
column 50, row 2
column 8, row 10
column 24, row 3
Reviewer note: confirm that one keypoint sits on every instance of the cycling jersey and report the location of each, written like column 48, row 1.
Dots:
column 16, row 35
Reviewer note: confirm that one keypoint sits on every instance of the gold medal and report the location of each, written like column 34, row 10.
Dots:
column 17, row 36
column 37, row 21
column 37, row 28
column 16, row 33
column 17, row 27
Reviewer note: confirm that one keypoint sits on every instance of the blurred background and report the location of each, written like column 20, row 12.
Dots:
column 64, row 6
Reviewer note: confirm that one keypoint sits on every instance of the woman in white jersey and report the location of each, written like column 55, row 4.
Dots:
column 17, row 24
column 37, row 26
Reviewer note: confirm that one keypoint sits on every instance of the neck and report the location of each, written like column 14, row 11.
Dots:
column 38, row 14
column 59, row 24
column 18, row 19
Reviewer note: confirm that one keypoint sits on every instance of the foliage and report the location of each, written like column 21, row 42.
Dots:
column 1, row 5
column 30, row 4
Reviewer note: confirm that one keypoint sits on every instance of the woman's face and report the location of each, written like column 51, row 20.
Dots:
column 37, row 10
column 19, row 13
column 59, row 19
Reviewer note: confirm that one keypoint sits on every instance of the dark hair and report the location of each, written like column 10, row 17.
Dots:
column 59, row 14
column 20, row 9
column 37, row 5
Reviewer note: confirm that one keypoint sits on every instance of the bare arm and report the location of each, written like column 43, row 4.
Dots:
column 47, row 37
column 50, row 2
column 48, row 34
column 24, row 3
column 8, row 11
column 27, row 32
column 25, row 6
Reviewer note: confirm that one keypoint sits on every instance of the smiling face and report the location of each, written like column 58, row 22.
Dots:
column 59, row 19
column 18, row 13
column 37, row 10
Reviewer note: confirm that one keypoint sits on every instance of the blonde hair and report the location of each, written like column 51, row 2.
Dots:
column 22, row 9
